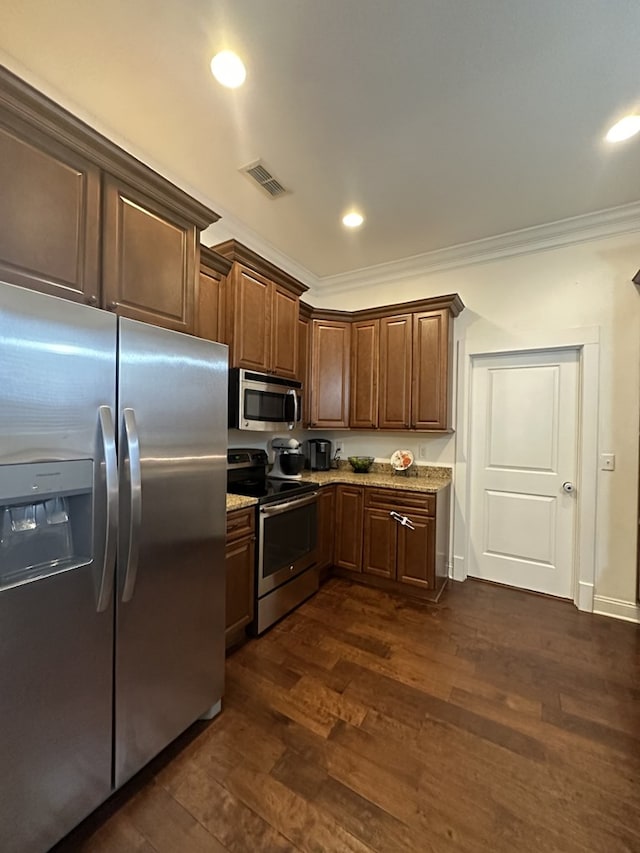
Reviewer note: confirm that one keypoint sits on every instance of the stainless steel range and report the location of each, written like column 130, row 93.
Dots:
column 286, row 522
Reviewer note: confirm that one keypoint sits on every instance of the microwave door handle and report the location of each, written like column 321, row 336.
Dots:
column 291, row 394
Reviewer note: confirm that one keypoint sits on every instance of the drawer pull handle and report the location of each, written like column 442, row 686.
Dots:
column 404, row 520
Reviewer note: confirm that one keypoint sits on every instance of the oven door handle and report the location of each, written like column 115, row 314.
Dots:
column 278, row 509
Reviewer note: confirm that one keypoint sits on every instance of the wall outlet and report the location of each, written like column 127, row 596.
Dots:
column 339, row 448
column 607, row 462
column 423, row 452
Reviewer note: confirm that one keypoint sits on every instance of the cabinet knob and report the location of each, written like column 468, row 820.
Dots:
column 92, row 300
column 112, row 306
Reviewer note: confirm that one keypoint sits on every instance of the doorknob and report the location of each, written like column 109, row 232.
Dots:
column 568, row 487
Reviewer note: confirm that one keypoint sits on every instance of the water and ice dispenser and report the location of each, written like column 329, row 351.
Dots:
column 45, row 519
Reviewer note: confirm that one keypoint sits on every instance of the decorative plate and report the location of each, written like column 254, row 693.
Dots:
column 401, row 460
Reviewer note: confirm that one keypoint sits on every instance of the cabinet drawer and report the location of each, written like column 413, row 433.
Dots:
column 394, row 499
column 240, row 522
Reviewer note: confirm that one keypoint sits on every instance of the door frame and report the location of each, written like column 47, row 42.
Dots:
column 586, row 341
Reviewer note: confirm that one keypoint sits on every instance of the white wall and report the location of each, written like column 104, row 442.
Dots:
column 582, row 285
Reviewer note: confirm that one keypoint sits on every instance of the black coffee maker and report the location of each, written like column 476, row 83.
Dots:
column 319, row 454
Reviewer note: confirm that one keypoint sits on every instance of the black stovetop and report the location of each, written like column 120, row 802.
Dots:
column 247, row 475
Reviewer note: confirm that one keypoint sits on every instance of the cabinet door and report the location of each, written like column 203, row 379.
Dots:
column 239, row 595
column 49, row 215
column 431, row 357
column 380, row 537
column 149, row 259
column 326, row 526
column 330, row 340
column 304, row 328
column 348, row 543
column 395, row 372
column 284, row 332
column 251, row 320
column 210, row 310
column 363, row 410
column 416, row 551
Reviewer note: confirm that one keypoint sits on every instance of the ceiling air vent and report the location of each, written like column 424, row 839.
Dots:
column 259, row 173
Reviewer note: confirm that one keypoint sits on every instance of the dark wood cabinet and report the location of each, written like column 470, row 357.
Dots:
column 304, row 360
column 82, row 219
column 330, row 357
column 395, row 371
column 149, row 257
column 250, row 320
column 262, row 313
column 432, row 357
column 49, row 215
column 363, row 408
column 380, row 541
column 211, row 299
column 240, row 574
column 326, row 527
column 410, row 558
column 348, row 534
column 284, row 332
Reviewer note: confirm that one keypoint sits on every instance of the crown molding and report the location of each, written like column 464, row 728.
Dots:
column 553, row 235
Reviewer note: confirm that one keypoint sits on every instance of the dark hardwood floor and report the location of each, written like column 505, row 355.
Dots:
column 493, row 721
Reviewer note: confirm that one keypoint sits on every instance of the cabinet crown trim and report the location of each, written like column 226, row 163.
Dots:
column 211, row 259
column 451, row 302
column 237, row 252
column 24, row 103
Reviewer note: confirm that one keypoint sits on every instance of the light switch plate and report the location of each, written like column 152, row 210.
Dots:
column 607, row 462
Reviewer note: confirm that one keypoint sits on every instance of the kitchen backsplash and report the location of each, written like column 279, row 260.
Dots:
column 437, row 449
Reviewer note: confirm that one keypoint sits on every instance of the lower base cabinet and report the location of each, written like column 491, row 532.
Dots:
column 393, row 539
column 326, row 519
column 240, row 567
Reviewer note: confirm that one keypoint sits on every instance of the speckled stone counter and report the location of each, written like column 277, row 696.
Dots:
column 239, row 502
column 421, row 478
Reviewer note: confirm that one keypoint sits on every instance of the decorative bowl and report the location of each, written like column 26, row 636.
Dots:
column 361, row 464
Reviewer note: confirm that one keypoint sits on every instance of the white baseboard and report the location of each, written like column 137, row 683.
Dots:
column 627, row 610
column 584, row 600
column 456, row 569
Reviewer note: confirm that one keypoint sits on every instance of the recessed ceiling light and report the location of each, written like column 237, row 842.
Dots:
column 353, row 219
column 623, row 129
column 228, row 69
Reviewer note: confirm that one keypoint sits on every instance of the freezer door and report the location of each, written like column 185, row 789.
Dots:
column 57, row 374
column 170, row 605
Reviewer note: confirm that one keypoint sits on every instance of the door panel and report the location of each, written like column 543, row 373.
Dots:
column 432, row 340
column 170, row 631
column 49, row 217
column 523, row 447
column 251, row 295
column 149, row 259
column 417, row 552
column 380, row 535
column 395, row 372
column 284, row 333
column 364, row 374
column 57, row 367
column 330, row 350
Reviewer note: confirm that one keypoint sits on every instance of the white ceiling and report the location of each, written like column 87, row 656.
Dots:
column 445, row 121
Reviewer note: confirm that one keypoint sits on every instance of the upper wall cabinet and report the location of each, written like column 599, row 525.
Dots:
column 262, row 313
column 70, row 197
column 210, row 301
column 397, row 373
column 330, row 355
column 148, row 259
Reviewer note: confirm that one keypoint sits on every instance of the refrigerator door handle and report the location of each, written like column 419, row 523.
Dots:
column 131, row 461
column 108, row 436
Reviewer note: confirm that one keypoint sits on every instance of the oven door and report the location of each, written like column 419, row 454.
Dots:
column 287, row 541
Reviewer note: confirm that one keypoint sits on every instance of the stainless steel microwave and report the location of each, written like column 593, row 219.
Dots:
column 259, row 401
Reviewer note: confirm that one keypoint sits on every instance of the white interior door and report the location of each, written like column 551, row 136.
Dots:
column 524, row 447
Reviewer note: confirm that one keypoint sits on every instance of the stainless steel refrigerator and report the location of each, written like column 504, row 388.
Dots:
column 112, row 522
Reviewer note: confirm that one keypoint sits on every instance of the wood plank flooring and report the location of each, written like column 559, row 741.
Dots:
column 493, row 721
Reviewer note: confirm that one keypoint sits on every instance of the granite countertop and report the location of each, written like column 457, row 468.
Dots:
column 239, row 502
column 421, row 478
